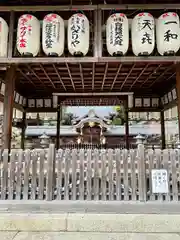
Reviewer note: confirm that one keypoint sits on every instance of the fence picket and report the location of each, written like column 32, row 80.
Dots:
column 125, row 174
column 141, row 173
column 96, row 174
column 133, row 174
column 26, row 174
column 166, row 166
column 66, row 174
column 151, row 166
column 118, row 174
column 81, row 173
column 12, row 174
column 59, row 173
column 74, row 174
column 34, row 175
column 4, row 175
column 50, row 173
column 19, row 174
column 89, row 174
column 41, row 174
column 103, row 175
column 174, row 174
column 110, row 174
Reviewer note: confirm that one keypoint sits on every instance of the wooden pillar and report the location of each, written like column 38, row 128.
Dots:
column 58, row 127
column 8, row 106
column 178, row 93
column 127, row 128
column 23, row 130
column 163, row 139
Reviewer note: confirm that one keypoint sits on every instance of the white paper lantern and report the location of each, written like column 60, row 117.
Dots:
column 53, row 35
column 168, row 33
column 4, row 30
column 143, row 34
column 78, row 34
column 28, row 35
column 117, row 34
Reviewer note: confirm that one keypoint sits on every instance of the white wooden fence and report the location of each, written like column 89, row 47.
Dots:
column 87, row 174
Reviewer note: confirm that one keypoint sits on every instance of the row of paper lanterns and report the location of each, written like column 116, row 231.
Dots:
column 117, row 34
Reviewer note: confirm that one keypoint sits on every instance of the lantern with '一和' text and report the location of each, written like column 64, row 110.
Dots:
column 168, row 33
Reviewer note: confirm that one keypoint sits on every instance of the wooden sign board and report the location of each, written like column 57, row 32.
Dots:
column 159, row 181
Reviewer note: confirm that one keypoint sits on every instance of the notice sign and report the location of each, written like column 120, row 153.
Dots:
column 159, row 181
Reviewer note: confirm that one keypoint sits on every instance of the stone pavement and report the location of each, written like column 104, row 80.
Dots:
column 85, row 236
column 40, row 220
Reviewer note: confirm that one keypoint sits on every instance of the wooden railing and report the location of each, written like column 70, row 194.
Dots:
column 87, row 174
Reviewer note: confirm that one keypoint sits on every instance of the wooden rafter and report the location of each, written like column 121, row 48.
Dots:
column 122, row 85
column 144, row 69
column 26, row 77
column 70, row 76
column 93, row 76
column 31, row 70
column 117, row 74
column 154, row 71
column 59, row 76
column 47, row 76
column 104, row 78
column 162, row 74
column 81, row 75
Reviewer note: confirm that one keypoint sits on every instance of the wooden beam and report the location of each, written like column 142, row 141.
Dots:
column 130, row 59
column 139, row 6
column 8, row 106
column 90, row 94
column 39, row 110
column 145, row 109
column 89, row 7
column 47, row 8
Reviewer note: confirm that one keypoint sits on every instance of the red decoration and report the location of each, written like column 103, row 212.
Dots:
column 50, row 17
column 122, row 15
column 174, row 14
column 141, row 14
column 165, row 15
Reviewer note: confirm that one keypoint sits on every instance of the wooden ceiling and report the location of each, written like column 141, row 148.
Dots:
column 34, row 80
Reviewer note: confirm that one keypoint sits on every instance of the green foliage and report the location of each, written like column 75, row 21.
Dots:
column 67, row 119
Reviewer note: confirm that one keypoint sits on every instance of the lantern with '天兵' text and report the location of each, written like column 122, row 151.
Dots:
column 143, row 34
